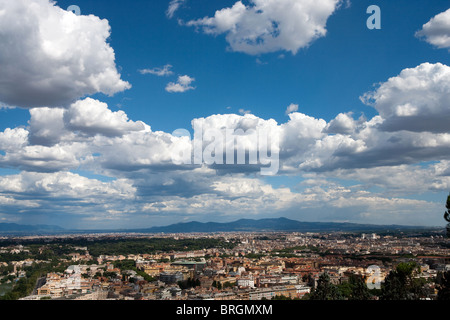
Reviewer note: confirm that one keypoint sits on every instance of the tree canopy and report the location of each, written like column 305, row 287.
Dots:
column 402, row 283
column 325, row 290
column 443, row 284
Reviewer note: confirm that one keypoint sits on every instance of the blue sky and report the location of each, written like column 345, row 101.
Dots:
column 86, row 136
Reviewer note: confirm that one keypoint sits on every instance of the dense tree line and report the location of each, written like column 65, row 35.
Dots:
column 354, row 289
column 153, row 245
column 38, row 252
column 124, row 265
column 118, row 245
column 325, row 290
column 443, row 284
column 25, row 285
column 402, row 283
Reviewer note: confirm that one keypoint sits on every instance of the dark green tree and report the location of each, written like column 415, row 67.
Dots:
column 182, row 285
column 359, row 290
column 308, row 279
column 228, row 285
column 402, row 283
column 447, row 215
column 393, row 288
column 109, row 274
column 189, row 283
column 345, row 289
column 443, row 284
column 355, row 289
column 325, row 289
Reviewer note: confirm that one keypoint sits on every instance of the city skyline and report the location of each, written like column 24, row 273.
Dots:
column 244, row 266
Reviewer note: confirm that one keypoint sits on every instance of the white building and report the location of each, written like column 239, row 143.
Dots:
column 246, row 283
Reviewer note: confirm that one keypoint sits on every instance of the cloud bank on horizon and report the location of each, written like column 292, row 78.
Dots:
column 77, row 157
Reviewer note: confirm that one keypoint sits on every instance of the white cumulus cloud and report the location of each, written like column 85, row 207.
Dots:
column 292, row 108
column 93, row 117
column 270, row 25
column 415, row 100
column 183, row 84
column 51, row 57
column 437, row 31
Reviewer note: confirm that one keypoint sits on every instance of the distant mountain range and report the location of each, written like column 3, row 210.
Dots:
column 15, row 228
column 277, row 224
column 248, row 225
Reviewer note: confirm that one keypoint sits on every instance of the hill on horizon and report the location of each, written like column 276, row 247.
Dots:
column 8, row 228
column 242, row 225
column 270, row 224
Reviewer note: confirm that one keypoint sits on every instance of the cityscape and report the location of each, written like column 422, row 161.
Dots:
column 229, row 156
column 244, row 266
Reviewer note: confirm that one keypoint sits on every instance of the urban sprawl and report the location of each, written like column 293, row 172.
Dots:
column 223, row 266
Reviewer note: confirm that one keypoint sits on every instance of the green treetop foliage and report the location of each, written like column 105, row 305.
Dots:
column 359, row 289
column 447, row 213
column 402, row 283
column 355, row 289
column 325, row 289
column 443, row 284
